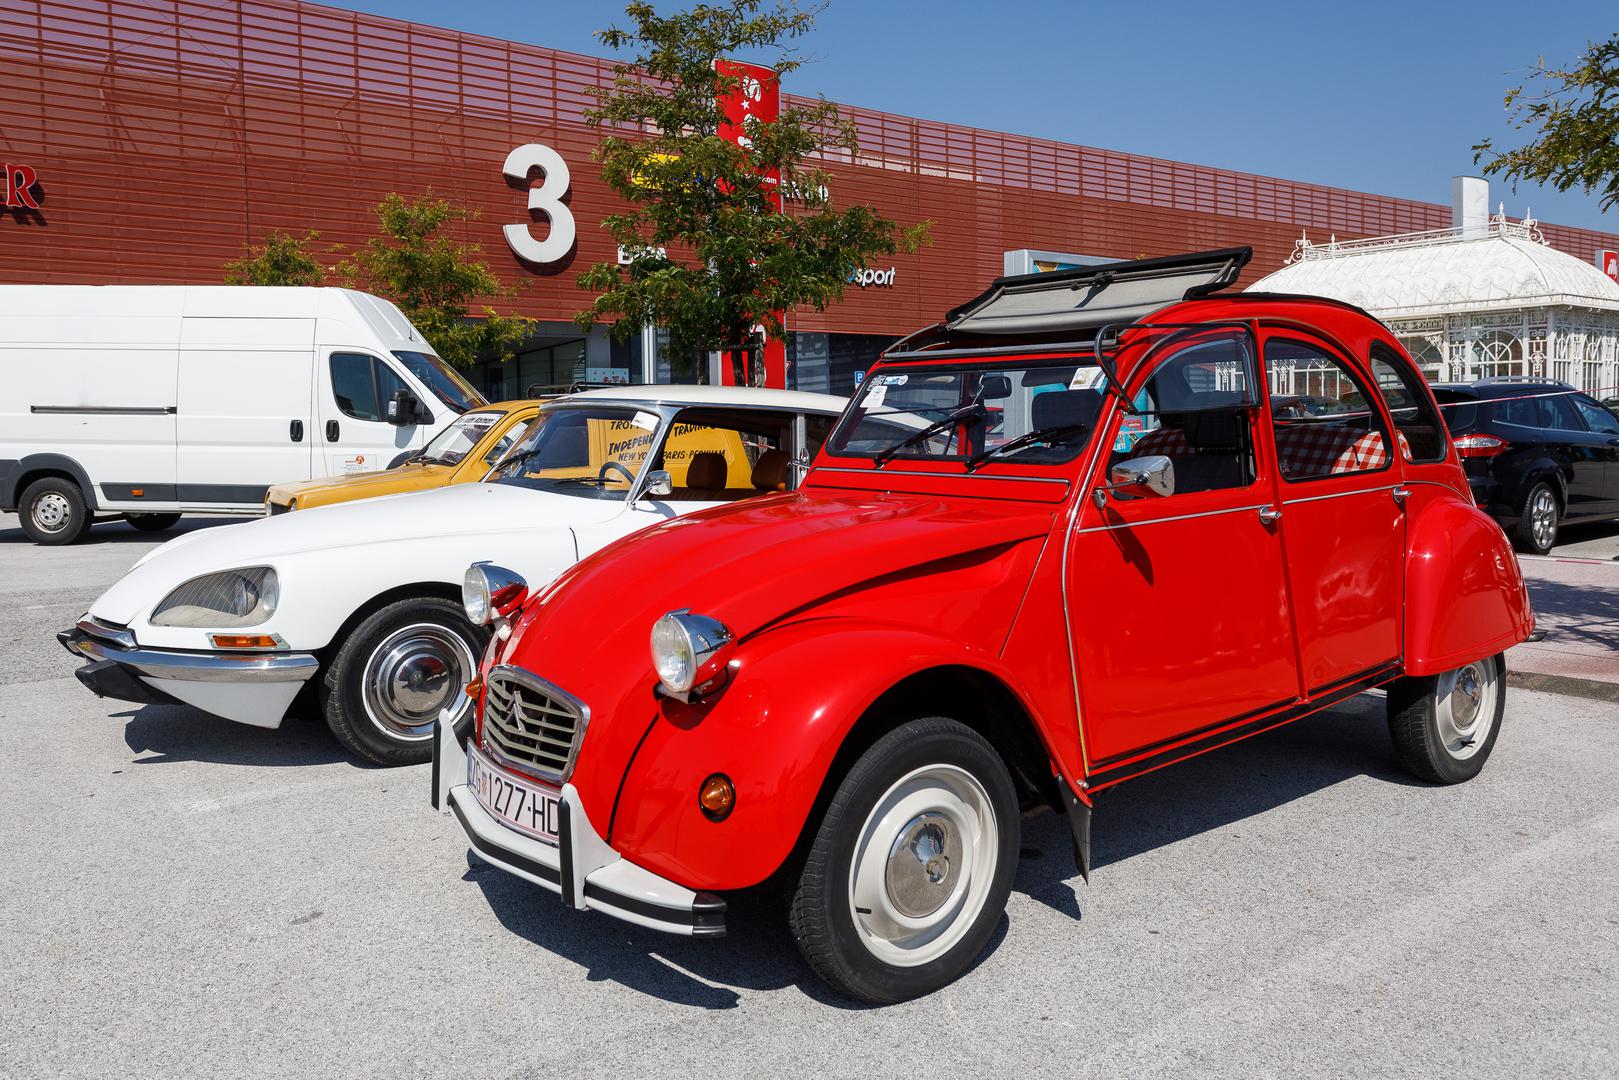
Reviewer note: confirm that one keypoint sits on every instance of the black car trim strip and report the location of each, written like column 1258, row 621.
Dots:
column 565, row 852
column 250, row 494
column 501, row 855
column 103, row 410
column 707, row 911
column 1232, row 730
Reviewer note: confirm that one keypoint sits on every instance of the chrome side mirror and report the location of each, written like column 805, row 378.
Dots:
column 1153, row 475
column 659, row 484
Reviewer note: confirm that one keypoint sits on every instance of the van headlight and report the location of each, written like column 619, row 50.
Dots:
column 245, row 597
column 690, row 653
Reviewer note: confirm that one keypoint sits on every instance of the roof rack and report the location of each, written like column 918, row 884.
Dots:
column 1063, row 309
column 559, row 389
column 1537, row 380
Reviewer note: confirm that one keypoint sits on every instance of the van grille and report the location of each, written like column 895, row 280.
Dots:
column 532, row 723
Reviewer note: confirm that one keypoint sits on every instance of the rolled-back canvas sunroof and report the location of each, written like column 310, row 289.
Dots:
column 1091, row 296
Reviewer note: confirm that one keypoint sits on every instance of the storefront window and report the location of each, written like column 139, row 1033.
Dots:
column 829, row 363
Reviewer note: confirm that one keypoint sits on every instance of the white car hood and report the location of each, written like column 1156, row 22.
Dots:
column 461, row 510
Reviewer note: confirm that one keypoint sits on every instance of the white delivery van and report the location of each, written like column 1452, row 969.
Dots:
column 145, row 401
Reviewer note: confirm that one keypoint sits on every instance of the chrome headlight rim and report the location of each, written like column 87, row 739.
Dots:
column 194, row 599
column 490, row 592
column 690, row 652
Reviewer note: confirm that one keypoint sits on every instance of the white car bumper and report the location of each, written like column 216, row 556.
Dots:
column 581, row 868
column 248, row 687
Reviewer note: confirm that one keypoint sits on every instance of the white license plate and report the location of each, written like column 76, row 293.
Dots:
column 511, row 799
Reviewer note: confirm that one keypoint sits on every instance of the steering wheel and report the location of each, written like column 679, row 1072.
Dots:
column 602, row 475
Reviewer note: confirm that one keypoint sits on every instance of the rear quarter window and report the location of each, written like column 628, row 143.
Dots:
column 1459, row 410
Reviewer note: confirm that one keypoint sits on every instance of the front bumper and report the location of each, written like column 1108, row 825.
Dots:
column 582, row 869
column 249, row 687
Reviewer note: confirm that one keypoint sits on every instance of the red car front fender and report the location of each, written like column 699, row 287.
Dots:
column 775, row 730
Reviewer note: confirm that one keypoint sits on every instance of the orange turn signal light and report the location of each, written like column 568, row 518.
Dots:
column 474, row 688
column 717, row 797
column 242, row 641
column 137, row 492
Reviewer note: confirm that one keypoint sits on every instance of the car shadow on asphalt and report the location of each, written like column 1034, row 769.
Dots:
column 1577, row 615
column 170, row 733
column 757, row 954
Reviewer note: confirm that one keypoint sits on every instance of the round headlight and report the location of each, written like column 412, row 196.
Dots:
column 489, row 592
column 689, row 651
column 475, row 595
column 230, row 598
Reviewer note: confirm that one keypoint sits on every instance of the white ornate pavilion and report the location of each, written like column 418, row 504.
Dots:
column 1486, row 299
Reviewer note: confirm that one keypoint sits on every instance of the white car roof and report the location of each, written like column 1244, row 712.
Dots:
column 736, row 397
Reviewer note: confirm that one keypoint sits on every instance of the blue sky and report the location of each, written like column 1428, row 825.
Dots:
column 1381, row 97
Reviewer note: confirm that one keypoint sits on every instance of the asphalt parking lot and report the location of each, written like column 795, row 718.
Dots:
column 189, row 897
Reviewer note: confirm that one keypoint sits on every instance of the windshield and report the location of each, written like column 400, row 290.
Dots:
column 1045, row 407
column 446, row 385
column 592, row 451
column 457, row 440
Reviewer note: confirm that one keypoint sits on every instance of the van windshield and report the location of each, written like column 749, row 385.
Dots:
column 440, row 378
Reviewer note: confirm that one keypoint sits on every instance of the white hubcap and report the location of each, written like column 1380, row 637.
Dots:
column 923, row 865
column 51, row 511
column 1464, row 706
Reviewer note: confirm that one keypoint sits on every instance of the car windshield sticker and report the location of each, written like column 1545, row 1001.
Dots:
column 646, row 421
column 1086, row 378
column 876, row 390
column 891, row 380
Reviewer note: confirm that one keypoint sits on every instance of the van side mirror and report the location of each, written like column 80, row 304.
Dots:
column 404, row 409
column 659, row 484
column 1152, row 475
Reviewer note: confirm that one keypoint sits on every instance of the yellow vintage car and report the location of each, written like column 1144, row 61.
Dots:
column 463, row 451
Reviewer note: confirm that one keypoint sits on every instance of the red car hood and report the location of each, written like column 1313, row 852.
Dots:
column 748, row 565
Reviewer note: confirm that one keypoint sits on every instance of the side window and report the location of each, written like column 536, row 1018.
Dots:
column 1196, row 410
column 1325, row 422
column 1559, row 414
column 715, row 462
column 503, row 444
column 1597, row 418
column 1421, row 435
column 354, row 386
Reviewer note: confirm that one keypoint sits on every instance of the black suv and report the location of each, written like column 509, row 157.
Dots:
column 1537, row 453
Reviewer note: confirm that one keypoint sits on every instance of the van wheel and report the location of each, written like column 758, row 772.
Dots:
column 393, row 675
column 1444, row 726
column 53, row 512
column 911, row 866
column 152, row 522
column 1536, row 531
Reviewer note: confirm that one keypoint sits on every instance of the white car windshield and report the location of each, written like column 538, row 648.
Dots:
column 592, row 451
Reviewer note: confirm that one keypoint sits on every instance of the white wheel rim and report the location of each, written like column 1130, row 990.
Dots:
column 52, row 511
column 923, row 865
column 1464, row 707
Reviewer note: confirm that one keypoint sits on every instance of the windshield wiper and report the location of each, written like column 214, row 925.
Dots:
column 1045, row 434
column 974, row 411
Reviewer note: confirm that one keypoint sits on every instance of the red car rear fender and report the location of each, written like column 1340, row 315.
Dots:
column 776, row 731
column 1464, row 593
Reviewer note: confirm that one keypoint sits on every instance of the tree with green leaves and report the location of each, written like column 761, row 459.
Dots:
column 1574, row 114
column 280, row 260
column 710, row 255
column 434, row 279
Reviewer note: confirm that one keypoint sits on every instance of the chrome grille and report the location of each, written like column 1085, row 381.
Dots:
column 531, row 723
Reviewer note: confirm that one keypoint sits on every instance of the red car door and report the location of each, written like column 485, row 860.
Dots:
column 1343, row 521
column 1178, row 603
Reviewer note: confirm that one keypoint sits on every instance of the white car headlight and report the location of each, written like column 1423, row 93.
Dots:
column 229, row 598
column 489, row 592
column 690, row 651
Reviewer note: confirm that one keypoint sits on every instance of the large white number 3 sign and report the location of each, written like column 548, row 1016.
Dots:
column 547, row 198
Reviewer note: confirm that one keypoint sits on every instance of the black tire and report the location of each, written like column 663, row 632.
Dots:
column 53, row 512
column 1534, row 535
column 821, row 913
column 374, row 725
column 153, row 522
column 1428, row 743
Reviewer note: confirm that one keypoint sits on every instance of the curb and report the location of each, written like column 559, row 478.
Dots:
column 1569, row 685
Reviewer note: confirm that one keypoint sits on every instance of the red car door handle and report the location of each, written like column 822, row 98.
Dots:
column 1400, row 494
column 1269, row 515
